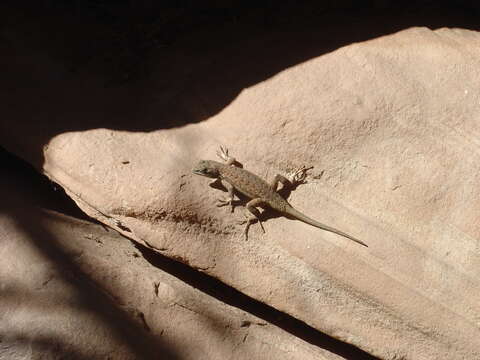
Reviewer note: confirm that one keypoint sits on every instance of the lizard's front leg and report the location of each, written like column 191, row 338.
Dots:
column 223, row 154
column 252, row 214
column 229, row 200
column 297, row 177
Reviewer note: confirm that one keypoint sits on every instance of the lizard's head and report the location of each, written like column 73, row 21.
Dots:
column 206, row 168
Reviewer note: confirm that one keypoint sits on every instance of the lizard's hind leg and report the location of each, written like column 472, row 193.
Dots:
column 252, row 214
column 280, row 179
column 295, row 178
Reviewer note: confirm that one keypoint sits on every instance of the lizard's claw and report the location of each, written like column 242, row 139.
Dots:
column 223, row 153
column 225, row 202
column 298, row 176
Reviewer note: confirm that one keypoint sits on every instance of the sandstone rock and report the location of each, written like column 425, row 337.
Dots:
column 70, row 289
column 390, row 127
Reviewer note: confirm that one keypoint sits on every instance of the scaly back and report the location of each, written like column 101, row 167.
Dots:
column 252, row 186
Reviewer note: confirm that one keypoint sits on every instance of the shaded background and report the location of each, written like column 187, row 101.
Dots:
column 143, row 65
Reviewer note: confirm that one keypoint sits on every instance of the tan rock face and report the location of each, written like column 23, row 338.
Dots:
column 72, row 289
column 390, row 126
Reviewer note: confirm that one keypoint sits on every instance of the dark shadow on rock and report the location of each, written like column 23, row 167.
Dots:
column 40, row 191
column 25, row 346
column 233, row 297
column 21, row 200
column 193, row 59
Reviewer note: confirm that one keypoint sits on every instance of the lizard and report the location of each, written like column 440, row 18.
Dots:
column 261, row 193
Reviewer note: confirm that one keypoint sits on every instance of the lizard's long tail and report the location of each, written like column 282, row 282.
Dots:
column 298, row 215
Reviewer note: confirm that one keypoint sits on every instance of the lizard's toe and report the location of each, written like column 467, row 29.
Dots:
column 222, row 153
column 225, row 202
column 299, row 176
